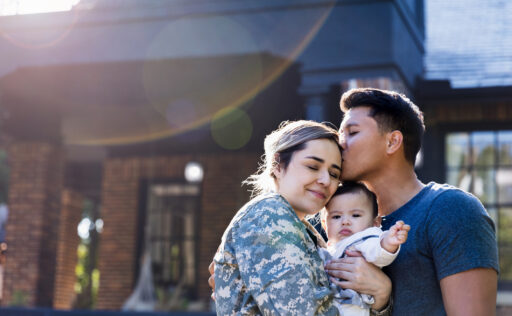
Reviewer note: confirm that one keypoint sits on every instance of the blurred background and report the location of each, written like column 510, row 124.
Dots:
column 127, row 126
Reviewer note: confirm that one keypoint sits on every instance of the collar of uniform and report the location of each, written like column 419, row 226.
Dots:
column 319, row 239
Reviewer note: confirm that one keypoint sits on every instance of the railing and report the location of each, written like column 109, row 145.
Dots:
column 15, row 311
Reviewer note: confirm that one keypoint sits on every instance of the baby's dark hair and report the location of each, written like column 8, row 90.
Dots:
column 358, row 187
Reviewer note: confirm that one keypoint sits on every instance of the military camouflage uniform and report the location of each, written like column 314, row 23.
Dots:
column 267, row 264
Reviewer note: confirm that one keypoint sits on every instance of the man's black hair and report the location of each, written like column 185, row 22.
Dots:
column 392, row 111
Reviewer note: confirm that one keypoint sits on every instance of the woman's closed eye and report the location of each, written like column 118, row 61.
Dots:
column 313, row 168
column 334, row 175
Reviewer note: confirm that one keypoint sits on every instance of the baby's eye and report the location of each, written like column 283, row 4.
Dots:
column 336, row 217
column 356, row 215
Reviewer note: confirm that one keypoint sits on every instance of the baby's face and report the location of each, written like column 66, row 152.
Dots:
column 347, row 214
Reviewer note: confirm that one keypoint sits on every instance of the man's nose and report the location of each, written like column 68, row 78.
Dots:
column 343, row 142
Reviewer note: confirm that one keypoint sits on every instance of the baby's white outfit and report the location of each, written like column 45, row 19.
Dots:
column 349, row 302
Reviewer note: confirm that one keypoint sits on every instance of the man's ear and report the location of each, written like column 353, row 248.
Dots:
column 394, row 141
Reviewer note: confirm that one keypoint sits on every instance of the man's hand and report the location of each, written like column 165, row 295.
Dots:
column 360, row 276
column 211, row 279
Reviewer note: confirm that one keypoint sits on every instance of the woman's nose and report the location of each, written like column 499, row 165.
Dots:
column 324, row 178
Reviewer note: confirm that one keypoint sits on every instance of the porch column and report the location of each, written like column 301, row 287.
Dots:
column 72, row 204
column 32, row 229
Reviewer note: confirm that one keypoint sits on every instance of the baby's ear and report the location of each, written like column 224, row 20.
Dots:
column 376, row 221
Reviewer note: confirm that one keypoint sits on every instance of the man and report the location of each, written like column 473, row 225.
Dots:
column 449, row 263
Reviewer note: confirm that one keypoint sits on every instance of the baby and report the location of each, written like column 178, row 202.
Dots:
column 350, row 220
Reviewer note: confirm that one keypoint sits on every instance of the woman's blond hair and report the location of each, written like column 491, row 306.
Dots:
column 280, row 145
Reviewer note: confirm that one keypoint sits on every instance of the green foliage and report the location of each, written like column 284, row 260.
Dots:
column 87, row 275
column 19, row 298
column 82, row 278
column 95, row 285
column 172, row 298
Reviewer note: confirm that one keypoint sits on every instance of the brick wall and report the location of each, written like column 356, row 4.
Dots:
column 32, row 229
column 466, row 111
column 71, row 214
column 222, row 195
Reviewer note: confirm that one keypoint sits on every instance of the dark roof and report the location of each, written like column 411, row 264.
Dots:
column 469, row 42
column 136, row 83
column 123, row 103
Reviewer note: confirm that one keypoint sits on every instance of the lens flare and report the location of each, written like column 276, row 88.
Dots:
column 190, row 82
column 26, row 36
column 231, row 128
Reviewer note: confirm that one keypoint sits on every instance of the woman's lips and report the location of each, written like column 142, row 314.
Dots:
column 319, row 195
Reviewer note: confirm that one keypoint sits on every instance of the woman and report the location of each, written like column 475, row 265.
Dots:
column 267, row 262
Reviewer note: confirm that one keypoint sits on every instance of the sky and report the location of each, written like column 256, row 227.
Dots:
column 13, row 7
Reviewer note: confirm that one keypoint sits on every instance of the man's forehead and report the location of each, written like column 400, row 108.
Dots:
column 355, row 115
column 346, row 119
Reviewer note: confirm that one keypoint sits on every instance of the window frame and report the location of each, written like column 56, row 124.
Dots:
column 144, row 187
column 469, row 128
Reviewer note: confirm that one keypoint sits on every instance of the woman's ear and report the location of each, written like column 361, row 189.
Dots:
column 395, row 140
column 277, row 170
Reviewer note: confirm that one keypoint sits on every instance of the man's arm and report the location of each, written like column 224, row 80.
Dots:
column 471, row 292
column 465, row 253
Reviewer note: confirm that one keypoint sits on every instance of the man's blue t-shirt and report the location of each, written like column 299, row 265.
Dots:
column 450, row 233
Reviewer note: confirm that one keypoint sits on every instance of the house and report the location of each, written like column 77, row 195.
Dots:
column 108, row 104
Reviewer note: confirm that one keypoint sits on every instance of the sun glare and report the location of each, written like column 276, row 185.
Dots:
column 14, row 7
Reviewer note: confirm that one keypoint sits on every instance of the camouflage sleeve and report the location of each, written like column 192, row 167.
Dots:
column 280, row 267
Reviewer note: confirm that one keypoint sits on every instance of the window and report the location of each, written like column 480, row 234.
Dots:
column 481, row 163
column 171, row 235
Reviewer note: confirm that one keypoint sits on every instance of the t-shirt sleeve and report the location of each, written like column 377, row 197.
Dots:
column 461, row 234
column 277, row 267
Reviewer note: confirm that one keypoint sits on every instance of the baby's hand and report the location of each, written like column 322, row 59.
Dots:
column 395, row 236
